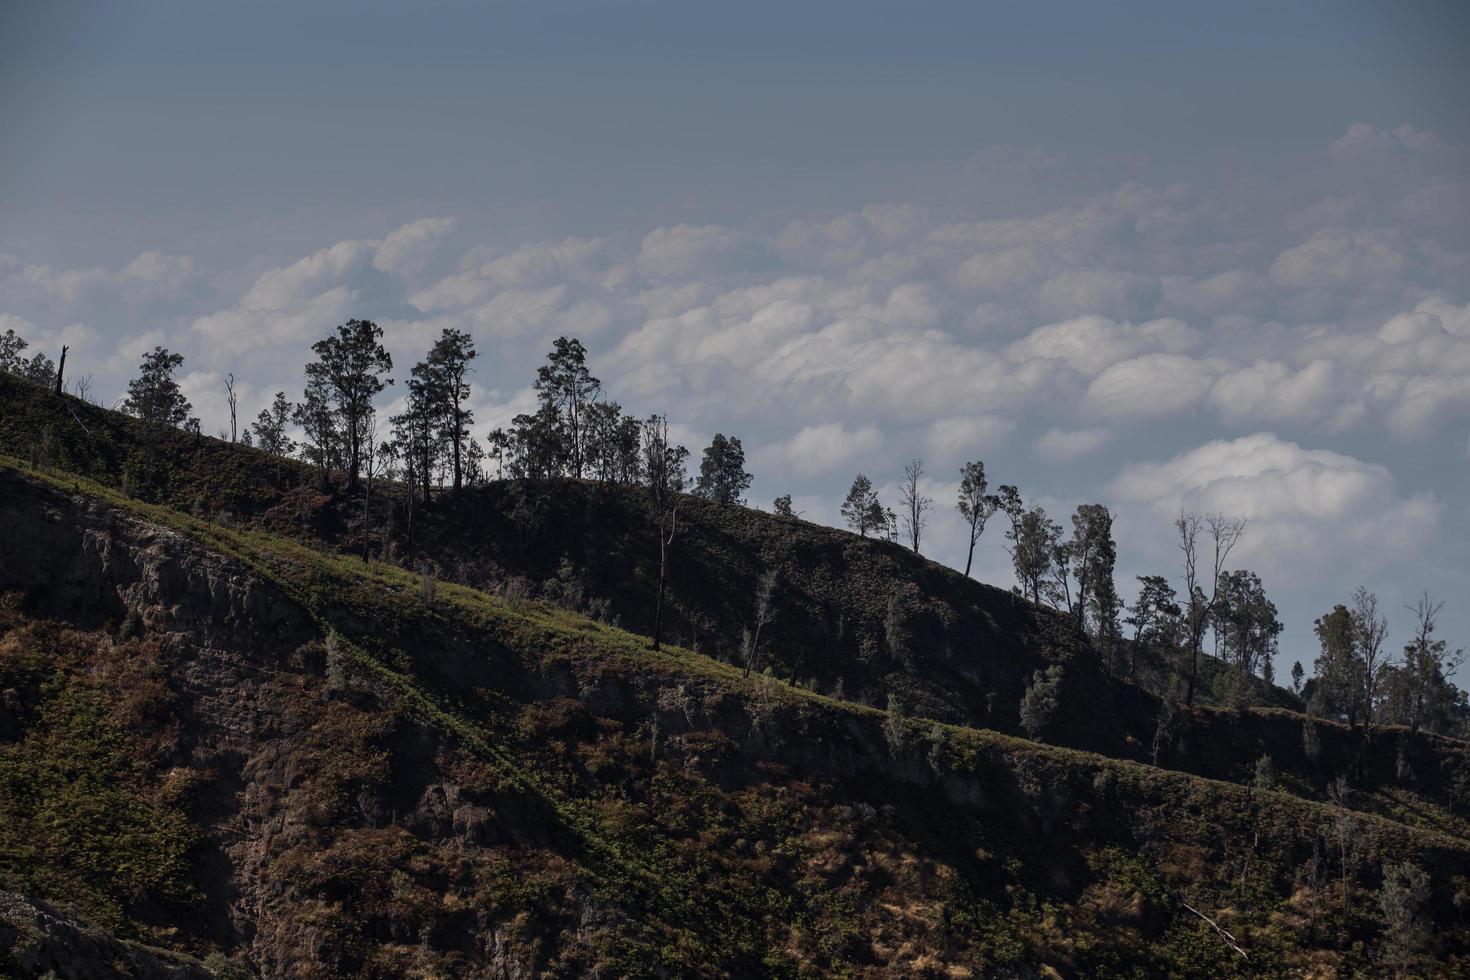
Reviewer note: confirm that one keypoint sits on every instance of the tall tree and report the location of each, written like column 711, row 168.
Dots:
column 565, row 385
column 859, row 505
column 1418, row 694
column 1155, row 617
column 350, row 366
column 418, row 430
column 614, row 444
column 11, row 345
column 1224, row 534
column 1093, row 555
column 916, row 506
column 39, row 369
column 765, row 612
column 1246, row 624
column 154, row 395
column 447, row 372
column 975, row 505
column 233, row 402
column 664, row 464
column 1034, row 542
column 722, row 476
column 1370, row 630
column 1336, row 688
column 270, row 427
column 321, row 428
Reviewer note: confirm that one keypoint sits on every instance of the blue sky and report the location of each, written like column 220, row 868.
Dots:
column 1145, row 254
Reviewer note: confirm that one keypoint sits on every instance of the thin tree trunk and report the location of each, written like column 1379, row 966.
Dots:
column 61, row 367
column 658, row 606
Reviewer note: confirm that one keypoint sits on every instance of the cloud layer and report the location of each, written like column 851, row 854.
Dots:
column 1274, row 349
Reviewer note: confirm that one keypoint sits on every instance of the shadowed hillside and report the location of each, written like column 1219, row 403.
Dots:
column 300, row 762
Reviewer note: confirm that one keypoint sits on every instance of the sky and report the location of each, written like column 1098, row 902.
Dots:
column 1152, row 255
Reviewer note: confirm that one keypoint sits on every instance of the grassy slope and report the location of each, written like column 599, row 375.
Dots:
column 1042, row 853
column 864, row 619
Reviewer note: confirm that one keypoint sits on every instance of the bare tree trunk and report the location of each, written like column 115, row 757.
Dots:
column 61, row 367
column 230, row 397
column 658, row 605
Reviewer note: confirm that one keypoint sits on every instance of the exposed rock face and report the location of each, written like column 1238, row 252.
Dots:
column 40, row 941
column 81, row 562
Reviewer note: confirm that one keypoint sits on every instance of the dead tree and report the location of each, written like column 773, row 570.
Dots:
column 61, row 367
column 230, row 397
column 765, row 611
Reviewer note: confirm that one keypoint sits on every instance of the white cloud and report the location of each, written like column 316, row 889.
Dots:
column 151, row 277
column 1339, row 258
column 1268, row 391
column 1061, row 446
column 1090, row 344
column 408, row 249
column 280, row 288
column 686, row 251
column 1150, row 386
column 1306, row 508
column 819, row 449
column 955, row 435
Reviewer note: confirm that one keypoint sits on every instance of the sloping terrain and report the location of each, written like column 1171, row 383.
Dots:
column 859, row 619
column 289, row 763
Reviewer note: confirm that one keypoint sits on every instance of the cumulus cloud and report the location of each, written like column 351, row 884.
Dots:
column 1340, row 258
column 1090, row 344
column 408, row 249
column 1063, row 446
column 956, row 435
column 818, row 449
column 687, row 251
column 1150, row 386
column 150, row 277
column 1306, row 508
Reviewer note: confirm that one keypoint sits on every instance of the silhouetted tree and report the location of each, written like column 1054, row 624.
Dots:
column 975, row 505
column 916, row 506
column 321, row 427
column 782, row 506
column 722, row 476
column 1336, row 688
column 1246, row 625
column 270, row 427
column 664, row 466
column 859, row 506
column 446, row 373
column 1224, row 535
column 1155, row 617
column 349, row 368
column 614, row 444
column 1093, row 554
column 1370, row 630
column 1418, row 693
column 40, row 370
column 1035, row 540
column 154, row 395
column 12, row 345
column 233, row 403
column 567, row 388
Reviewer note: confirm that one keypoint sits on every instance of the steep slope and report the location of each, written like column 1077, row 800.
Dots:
column 381, row 774
column 861, row 619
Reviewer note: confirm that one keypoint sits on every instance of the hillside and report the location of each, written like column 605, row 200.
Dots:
column 860, row 619
column 226, row 737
